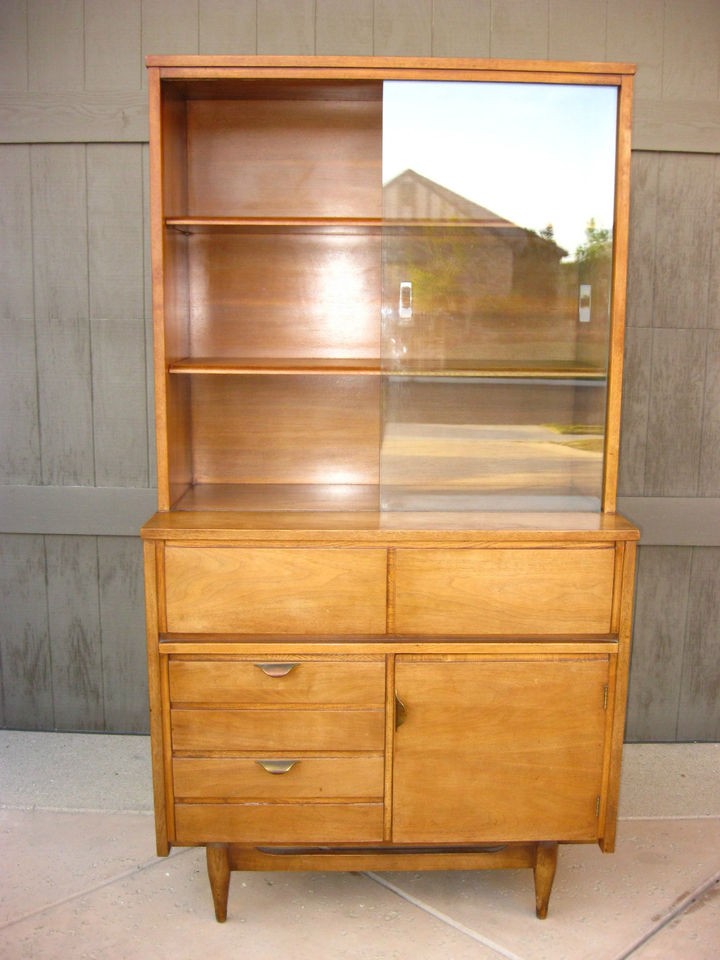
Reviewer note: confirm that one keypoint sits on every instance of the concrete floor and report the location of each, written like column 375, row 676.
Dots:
column 78, row 877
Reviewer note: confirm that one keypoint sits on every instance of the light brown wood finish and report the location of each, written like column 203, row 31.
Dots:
column 245, row 778
column 302, row 591
column 277, row 729
column 503, row 750
column 503, row 591
column 273, row 681
column 409, row 689
column 619, row 295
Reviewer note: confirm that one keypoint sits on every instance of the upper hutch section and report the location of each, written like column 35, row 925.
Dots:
column 388, row 284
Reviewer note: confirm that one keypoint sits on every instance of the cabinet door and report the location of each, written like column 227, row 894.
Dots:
column 492, row 751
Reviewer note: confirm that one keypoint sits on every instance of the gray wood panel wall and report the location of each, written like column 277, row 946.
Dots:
column 76, row 436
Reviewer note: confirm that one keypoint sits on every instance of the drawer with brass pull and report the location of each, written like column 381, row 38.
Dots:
column 279, row 778
column 274, row 681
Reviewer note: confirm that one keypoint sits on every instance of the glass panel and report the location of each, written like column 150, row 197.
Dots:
column 497, row 260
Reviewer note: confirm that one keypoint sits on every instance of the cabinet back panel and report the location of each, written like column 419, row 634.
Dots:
column 285, row 429
column 287, row 295
column 285, row 158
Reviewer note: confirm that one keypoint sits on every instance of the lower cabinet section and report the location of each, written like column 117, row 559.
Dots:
column 492, row 748
column 459, row 707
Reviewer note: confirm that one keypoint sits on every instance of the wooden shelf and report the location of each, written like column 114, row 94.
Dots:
column 200, row 224
column 276, row 366
column 332, row 225
column 268, row 498
column 374, row 366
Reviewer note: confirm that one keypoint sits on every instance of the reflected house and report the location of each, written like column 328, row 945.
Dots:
column 473, row 272
column 482, row 285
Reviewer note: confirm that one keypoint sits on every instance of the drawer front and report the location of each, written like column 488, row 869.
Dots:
column 260, row 823
column 277, row 682
column 246, row 778
column 504, row 591
column 277, row 730
column 275, row 590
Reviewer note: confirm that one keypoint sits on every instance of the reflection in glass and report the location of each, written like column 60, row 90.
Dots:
column 497, row 258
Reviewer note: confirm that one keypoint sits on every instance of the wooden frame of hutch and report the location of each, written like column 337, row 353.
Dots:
column 333, row 684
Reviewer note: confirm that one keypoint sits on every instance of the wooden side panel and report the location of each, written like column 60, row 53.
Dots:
column 685, row 222
column 503, row 591
column 24, row 634
column 499, row 751
column 461, row 28
column 16, row 258
column 65, row 399
column 77, row 655
column 59, row 222
column 19, row 415
column 286, row 29
column 121, row 618
column 227, row 26
column 55, row 45
column 699, row 716
column 577, row 30
column 342, row 29
column 675, row 413
column 119, row 403
column 115, row 230
column 520, row 28
column 112, row 44
column 709, row 485
column 14, row 45
column 659, row 642
column 269, row 590
column 403, row 28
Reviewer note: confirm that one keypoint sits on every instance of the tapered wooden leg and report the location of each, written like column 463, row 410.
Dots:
column 544, row 873
column 218, row 867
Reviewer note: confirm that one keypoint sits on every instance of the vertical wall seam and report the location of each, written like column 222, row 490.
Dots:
column 98, row 580
column 683, row 661
column 48, row 633
column 90, row 311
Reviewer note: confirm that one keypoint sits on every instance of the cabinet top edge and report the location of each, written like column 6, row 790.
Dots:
column 380, row 64
column 382, row 528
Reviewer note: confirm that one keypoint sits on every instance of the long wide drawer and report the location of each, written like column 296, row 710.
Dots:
column 248, row 778
column 288, row 590
column 504, row 591
column 281, row 730
column 215, row 681
column 260, row 823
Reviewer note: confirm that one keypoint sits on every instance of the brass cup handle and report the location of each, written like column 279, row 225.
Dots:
column 276, row 669
column 400, row 711
column 277, row 766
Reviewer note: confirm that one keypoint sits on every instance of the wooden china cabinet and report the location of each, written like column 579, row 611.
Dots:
column 388, row 595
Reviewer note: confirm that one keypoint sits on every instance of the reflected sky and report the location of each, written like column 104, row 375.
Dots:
column 535, row 154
